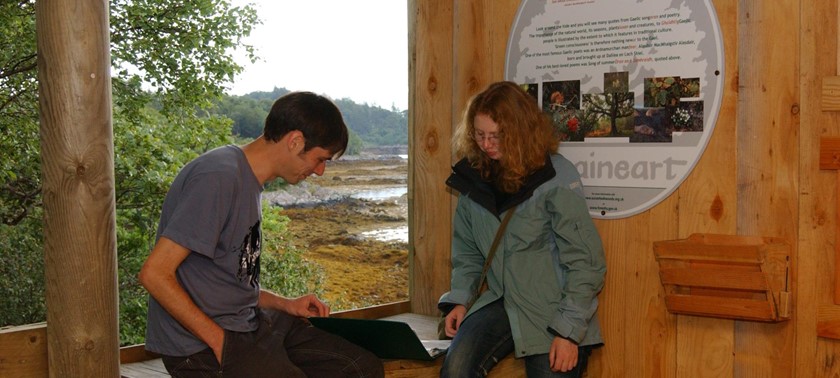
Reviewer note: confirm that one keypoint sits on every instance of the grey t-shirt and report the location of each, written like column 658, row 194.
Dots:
column 213, row 209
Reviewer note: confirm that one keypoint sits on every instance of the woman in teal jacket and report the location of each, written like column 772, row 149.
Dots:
column 541, row 291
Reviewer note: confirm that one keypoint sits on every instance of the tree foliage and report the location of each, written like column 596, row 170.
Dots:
column 19, row 168
column 181, row 50
column 148, row 156
column 247, row 112
column 283, row 269
column 369, row 125
column 374, row 125
column 171, row 59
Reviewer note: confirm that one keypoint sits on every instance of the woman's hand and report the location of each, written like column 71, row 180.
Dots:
column 453, row 320
column 563, row 356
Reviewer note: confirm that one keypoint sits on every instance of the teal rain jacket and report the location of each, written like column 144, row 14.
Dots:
column 549, row 266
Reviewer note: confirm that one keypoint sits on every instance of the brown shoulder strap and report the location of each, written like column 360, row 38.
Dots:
column 491, row 253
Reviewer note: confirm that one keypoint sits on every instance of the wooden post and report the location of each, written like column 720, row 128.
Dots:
column 77, row 159
column 429, row 126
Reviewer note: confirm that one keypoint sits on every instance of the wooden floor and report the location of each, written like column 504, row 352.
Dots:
column 144, row 369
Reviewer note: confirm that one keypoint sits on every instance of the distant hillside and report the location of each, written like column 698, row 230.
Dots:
column 369, row 125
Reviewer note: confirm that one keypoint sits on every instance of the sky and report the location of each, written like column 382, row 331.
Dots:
column 342, row 49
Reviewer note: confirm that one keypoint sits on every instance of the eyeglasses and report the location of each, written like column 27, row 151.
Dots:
column 492, row 138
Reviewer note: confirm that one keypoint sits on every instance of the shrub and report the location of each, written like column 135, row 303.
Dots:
column 283, row 269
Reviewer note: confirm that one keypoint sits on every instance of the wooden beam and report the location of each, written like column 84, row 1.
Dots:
column 23, row 351
column 77, row 155
column 429, row 127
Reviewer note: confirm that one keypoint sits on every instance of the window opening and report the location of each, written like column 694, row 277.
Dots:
column 351, row 224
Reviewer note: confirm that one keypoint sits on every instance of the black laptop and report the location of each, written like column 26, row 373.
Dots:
column 385, row 338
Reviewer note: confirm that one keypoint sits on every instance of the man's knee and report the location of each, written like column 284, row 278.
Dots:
column 369, row 366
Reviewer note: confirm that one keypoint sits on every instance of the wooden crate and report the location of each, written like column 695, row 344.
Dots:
column 726, row 276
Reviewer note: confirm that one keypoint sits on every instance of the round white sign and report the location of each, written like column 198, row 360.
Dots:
column 633, row 88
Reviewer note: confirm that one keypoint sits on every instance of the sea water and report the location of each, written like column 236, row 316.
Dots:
column 392, row 234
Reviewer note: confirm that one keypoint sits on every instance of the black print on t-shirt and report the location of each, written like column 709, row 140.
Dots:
column 249, row 256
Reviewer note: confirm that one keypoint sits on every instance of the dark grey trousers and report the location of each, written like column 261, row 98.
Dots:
column 282, row 346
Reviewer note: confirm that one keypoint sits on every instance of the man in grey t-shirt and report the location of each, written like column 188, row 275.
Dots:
column 207, row 312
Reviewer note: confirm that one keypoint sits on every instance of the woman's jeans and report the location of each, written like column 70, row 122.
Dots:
column 282, row 346
column 484, row 339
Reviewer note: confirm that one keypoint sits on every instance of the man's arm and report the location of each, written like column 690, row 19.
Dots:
column 158, row 277
column 305, row 306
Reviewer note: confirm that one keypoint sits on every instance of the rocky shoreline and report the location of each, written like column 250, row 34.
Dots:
column 329, row 223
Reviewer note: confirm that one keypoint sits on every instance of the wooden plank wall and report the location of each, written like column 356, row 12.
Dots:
column 816, row 357
column 759, row 176
column 768, row 156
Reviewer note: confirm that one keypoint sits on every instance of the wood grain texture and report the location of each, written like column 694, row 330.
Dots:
column 708, row 203
column 829, row 158
column 828, row 321
column 705, row 347
column 77, row 154
column 613, row 305
column 830, row 95
column 768, row 165
column 736, row 277
column 472, row 62
column 648, row 347
column 430, row 125
column 818, row 217
column 23, row 351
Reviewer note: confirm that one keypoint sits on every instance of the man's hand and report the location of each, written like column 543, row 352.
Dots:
column 453, row 320
column 306, row 306
column 563, row 356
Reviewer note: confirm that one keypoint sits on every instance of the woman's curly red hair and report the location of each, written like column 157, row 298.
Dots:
column 526, row 135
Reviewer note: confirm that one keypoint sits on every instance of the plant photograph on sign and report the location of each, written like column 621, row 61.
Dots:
column 532, row 89
column 688, row 116
column 561, row 95
column 616, row 82
column 652, row 125
column 561, row 101
column 690, row 88
column 612, row 112
column 662, row 91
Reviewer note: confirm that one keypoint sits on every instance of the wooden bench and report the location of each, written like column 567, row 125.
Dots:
column 136, row 363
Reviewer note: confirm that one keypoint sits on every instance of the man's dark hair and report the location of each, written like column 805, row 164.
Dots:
column 313, row 115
